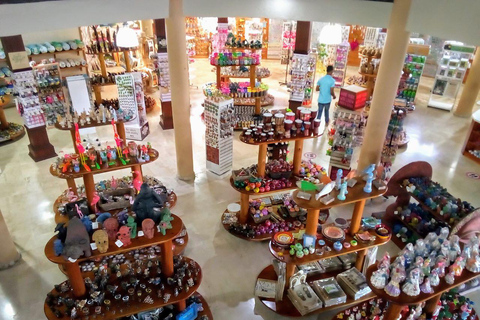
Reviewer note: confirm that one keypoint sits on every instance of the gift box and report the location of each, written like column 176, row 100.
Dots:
column 352, row 97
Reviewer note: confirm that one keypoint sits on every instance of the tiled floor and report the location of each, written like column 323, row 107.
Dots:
column 230, row 266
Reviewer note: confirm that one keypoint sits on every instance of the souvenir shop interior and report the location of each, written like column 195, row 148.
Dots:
column 205, row 176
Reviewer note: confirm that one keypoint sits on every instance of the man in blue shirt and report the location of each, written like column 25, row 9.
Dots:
column 326, row 86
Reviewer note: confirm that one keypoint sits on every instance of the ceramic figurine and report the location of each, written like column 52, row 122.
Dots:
column 133, row 227
column 165, row 222
column 420, row 248
column 124, row 235
column 111, row 226
column 338, row 180
column 393, row 287
column 145, row 203
column 473, row 264
column 343, row 191
column 412, row 284
column 368, row 184
column 77, row 241
column 148, row 228
column 101, row 240
column 433, row 277
column 455, row 249
column 425, row 287
column 450, row 277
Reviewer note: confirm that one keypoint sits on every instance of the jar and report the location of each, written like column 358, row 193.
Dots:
column 299, row 110
column 279, row 120
column 290, row 116
column 267, row 117
column 288, row 126
column 298, row 124
column 306, row 128
column 305, row 115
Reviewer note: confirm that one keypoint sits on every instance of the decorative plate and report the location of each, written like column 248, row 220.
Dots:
column 333, row 233
column 283, row 238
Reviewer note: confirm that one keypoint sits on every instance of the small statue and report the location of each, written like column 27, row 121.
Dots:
column 368, row 184
column 425, row 287
column 343, row 191
column 133, row 227
column 101, row 240
column 111, row 226
column 148, row 228
column 412, row 284
column 77, row 242
column 165, row 222
column 338, row 180
column 124, row 235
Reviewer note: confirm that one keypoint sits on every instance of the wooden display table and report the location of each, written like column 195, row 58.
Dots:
column 355, row 195
column 286, row 307
column 88, row 175
column 243, row 216
column 431, row 299
column 93, row 123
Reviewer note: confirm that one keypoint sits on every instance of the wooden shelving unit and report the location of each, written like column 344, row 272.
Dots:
column 355, row 196
column 243, row 216
column 397, row 304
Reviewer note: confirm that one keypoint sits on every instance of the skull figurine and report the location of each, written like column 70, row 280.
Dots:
column 111, row 225
column 148, row 227
column 124, row 235
column 101, row 240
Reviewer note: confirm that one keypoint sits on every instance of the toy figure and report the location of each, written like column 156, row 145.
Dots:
column 343, row 191
column 111, row 226
column 145, row 203
column 165, row 222
column 368, row 184
column 425, row 287
column 412, row 284
column 124, row 235
column 77, row 241
column 101, row 240
column 338, row 180
column 393, row 287
column 148, row 228
column 133, row 227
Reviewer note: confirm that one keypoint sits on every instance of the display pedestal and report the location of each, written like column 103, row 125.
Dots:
column 40, row 147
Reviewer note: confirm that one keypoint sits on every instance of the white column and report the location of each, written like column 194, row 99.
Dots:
column 178, row 64
column 386, row 85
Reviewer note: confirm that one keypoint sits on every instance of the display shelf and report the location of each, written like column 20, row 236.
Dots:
column 404, row 299
column 118, row 308
column 251, row 193
column 60, row 218
column 286, row 308
column 55, row 53
column 257, row 143
column 283, row 254
column 56, row 172
column 137, row 243
column 355, row 194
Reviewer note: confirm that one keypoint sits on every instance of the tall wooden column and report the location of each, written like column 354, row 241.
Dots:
column 40, row 147
column 179, row 82
column 470, row 89
column 302, row 46
column 386, row 86
column 166, row 118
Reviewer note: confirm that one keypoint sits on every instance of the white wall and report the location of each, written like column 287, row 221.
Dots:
column 56, row 35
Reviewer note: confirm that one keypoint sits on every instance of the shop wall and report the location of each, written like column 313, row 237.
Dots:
column 57, row 35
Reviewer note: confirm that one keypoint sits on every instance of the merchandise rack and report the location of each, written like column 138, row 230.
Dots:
column 356, row 196
column 397, row 304
column 243, row 216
